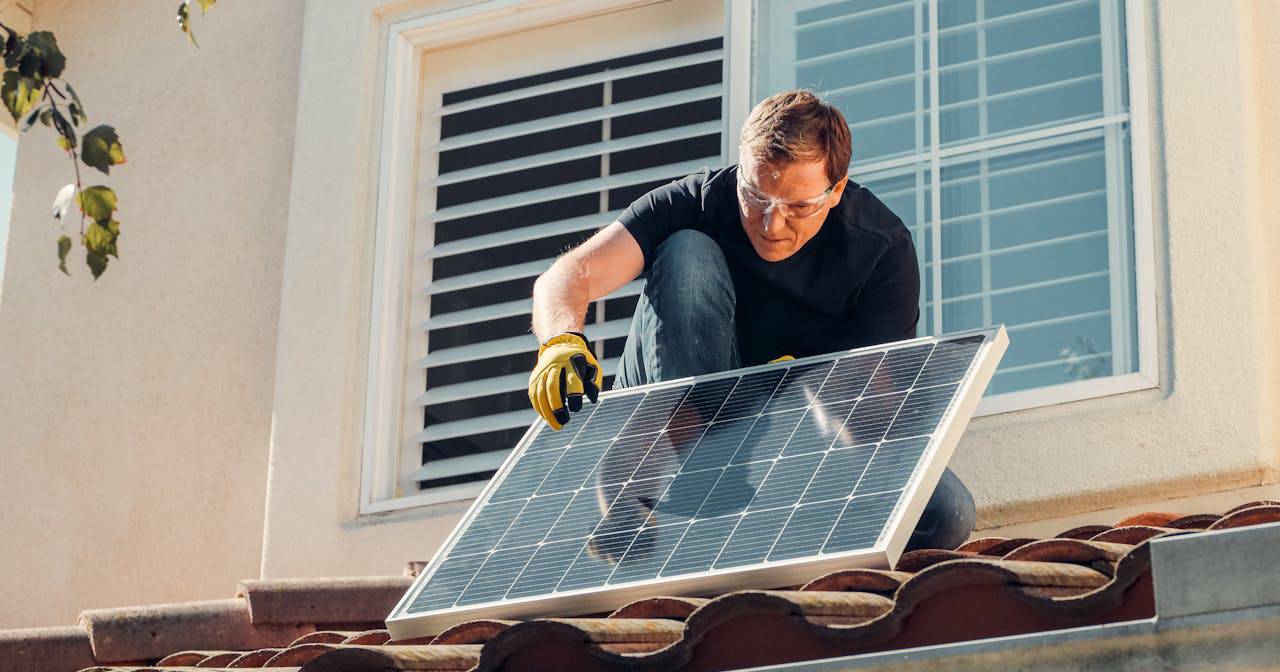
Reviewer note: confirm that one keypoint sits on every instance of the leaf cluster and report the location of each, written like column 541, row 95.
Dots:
column 184, row 17
column 32, row 90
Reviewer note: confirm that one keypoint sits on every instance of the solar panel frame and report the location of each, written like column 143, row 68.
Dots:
column 403, row 624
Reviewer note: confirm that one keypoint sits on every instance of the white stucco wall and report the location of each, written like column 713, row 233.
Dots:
column 135, row 411
column 1210, row 426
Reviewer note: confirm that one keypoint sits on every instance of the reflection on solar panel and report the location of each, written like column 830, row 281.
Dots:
column 759, row 477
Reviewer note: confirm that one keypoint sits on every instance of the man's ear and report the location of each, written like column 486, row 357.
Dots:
column 838, row 191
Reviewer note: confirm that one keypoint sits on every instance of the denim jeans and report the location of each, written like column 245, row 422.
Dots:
column 684, row 326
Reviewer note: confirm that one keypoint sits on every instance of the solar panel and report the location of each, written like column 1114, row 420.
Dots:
column 757, row 477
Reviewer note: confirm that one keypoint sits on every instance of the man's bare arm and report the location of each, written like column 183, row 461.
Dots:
column 604, row 262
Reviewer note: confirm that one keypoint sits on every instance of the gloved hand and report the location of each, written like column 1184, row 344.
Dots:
column 565, row 371
column 784, row 358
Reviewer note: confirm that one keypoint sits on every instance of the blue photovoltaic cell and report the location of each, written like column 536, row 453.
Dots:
column 789, row 461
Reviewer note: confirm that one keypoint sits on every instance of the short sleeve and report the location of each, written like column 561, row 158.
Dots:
column 890, row 301
column 664, row 210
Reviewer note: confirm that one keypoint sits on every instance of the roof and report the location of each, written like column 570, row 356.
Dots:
column 989, row 587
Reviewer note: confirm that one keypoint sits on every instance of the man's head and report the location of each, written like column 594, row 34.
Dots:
column 793, row 159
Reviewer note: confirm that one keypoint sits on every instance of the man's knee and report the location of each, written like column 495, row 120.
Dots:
column 948, row 518
column 692, row 267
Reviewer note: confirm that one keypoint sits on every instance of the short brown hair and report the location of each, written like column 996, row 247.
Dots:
column 795, row 126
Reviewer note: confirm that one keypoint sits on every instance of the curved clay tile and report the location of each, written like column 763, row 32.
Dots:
column 322, row 637
column 1133, row 534
column 471, row 632
column 1069, row 550
column 396, row 657
column 676, row 608
column 914, row 561
column 624, row 630
column 190, row 658
column 1003, row 548
column 1195, row 521
column 369, row 637
column 1250, row 505
column 1256, row 515
column 297, row 655
column 980, row 545
column 866, row 580
column 219, row 659
column 1083, row 532
column 1150, row 518
column 257, row 658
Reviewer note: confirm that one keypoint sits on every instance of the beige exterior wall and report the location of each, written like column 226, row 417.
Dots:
column 135, row 411
column 210, row 358
column 1211, row 425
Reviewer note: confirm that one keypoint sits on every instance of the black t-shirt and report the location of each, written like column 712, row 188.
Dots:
column 854, row 283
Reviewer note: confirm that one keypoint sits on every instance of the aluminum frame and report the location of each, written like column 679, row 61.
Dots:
column 888, row 547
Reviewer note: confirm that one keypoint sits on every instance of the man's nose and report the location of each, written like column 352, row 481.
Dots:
column 772, row 219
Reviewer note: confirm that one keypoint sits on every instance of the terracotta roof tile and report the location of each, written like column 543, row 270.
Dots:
column 868, row 580
column 297, row 655
column 1253, row 515
column 323, row 637
column 678, row 608
column 472, row 632
column 1150, row 518
column 1001, row 549
column 1085, row 531
column 323, row 600
column 914, row 561
column 60, row 648
column 1195, row 521
column 1130, row 534
column 369, row 637
column 149, row 632
column 256, row 658
column 988, row 587
column 1250, row 505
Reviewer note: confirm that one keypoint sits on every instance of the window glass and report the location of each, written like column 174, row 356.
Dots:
column 1030, row 195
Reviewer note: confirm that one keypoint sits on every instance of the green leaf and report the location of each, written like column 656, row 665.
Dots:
column 29, row 119
column 98, row 202
column 19, row 93
column 12, row 48
column 184, row 22
column 97, row 263
column 76, row 107
column 64, row 246
column 67, row 142
column 102, row 149
column 102, row 239
column 43, row 47
column 63, row 127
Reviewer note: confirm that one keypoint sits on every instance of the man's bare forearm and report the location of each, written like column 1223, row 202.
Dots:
column 604, row 262
column 560, row 298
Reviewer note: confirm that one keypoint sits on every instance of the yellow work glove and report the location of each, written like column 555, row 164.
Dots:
column 784, row 358
column 565, row 371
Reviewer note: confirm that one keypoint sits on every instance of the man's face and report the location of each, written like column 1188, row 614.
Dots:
column 782, row 231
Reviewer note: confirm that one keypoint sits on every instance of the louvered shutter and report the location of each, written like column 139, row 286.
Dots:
column 525, row 169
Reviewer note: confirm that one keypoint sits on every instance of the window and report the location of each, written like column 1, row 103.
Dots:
column 1000, row 131
column 1008, row 119
column 8, row 159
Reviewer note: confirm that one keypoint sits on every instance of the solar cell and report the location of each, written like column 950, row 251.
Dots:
column 772, row 473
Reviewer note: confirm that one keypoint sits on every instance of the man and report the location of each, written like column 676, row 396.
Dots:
column 777, row 256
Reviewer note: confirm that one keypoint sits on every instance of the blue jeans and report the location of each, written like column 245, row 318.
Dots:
column 684, row 326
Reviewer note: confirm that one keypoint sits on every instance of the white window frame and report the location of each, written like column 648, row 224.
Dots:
column 389, row 454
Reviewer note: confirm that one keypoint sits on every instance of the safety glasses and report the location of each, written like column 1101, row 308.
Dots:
column 758, row 202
